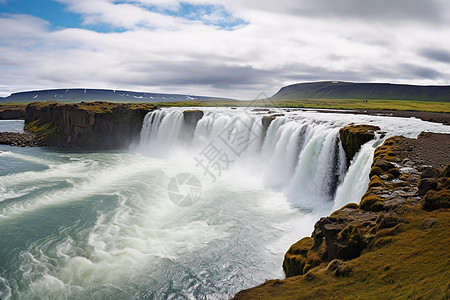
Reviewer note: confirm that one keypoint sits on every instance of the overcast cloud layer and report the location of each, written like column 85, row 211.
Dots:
column 233, row 48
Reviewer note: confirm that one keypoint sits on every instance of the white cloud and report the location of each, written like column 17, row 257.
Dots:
column 280, row 44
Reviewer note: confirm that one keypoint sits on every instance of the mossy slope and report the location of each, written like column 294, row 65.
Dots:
column 394, row 245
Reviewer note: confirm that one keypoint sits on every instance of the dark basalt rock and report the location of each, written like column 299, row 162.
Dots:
column 430, row 172
column 12, row 114
column 427, row 184
column 92, row 125
column 266, row 121
column 383, row 164
column 191, row 117
column 345, row 233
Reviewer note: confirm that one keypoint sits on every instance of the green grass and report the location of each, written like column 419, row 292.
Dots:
column 349, row 104
column 371, row 104
column 14, row 103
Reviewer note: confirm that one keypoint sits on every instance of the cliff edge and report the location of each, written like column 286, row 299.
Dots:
column 394, row 244
column 12, row 112
column 93, row 125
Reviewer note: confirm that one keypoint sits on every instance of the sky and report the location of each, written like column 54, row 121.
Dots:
column 226, row 48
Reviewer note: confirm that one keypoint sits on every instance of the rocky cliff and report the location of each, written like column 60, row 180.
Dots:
column 394, row 244
column 11, row 112
column 94, row 125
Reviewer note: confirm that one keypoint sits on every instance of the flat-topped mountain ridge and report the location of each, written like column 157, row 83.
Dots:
column 364, row 91
column 79, row 94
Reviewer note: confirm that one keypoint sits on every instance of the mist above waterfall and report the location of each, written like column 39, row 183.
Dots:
column 299, row 154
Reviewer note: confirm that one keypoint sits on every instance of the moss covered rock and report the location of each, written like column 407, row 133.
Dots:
column 353, row 137
column 446, row 171
column 295, row 258
column 430, row 172
column 436, row 199
column 371, row 203
column 340, row 268
column 427, row 184
column 375, row 171
column 375, row 181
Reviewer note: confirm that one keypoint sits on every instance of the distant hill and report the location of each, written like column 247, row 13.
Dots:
column 371, row 91
column 77, row 95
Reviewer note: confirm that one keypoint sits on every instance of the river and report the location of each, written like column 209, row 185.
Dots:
column 180, row 215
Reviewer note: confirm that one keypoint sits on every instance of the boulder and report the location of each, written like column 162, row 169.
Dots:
column 340, row 268
column 375, row 171
column 427, row 184
column 430, row 172
column 372, row 203
column 436, row 199
column 383, row 165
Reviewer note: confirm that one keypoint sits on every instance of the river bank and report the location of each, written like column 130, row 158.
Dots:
column 435, row 117
column 394, row 243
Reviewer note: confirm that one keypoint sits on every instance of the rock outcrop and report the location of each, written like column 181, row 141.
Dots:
column 401, row 222
column 12, row 112
column 266, row 121
column 191, row 117
column 353, row 137
column 93, row 125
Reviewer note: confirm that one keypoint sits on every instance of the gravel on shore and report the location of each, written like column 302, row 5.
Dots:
column 429, row 149
column 19, row 139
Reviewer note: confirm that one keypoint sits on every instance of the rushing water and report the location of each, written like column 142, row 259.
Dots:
column 101, row 225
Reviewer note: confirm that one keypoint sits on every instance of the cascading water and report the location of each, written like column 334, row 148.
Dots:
column 100, row 225
column 301, row 157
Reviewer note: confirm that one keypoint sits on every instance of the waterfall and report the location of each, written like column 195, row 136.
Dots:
column 161, row 130
column 300, row 156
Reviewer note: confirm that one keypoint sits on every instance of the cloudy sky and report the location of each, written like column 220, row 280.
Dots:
column 229, row 48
